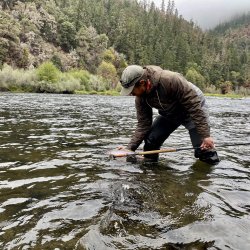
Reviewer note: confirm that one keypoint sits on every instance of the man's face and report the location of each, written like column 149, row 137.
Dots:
column 139, row 89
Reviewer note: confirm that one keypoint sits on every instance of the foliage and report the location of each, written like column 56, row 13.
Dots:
column 17, row 79
column 107, row 71
column 90, row 47
column 226, row 87
column 195, row 77
column 83, row 76
column 10, row 50
column 48, row 79
column 67, row 84
column 104, row 36
column 236, row 22
column 67, row 36
column 97, row 83
column 48, row 72
column 108, row 55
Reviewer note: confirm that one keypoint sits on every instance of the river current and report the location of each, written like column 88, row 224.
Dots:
column 60, row 190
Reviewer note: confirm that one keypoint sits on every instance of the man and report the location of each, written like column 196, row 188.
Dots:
column 178, row 101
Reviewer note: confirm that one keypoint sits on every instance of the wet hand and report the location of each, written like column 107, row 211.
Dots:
column 121, row 148
column 208, row 143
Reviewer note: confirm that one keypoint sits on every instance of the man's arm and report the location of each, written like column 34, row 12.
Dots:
column 144, row 115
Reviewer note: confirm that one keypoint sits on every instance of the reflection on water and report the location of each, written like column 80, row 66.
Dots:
column 60, row 190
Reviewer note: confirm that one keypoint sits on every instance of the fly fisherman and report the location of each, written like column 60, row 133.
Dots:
column 178, row 102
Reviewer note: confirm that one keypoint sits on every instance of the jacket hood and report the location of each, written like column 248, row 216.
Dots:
column 153, row 73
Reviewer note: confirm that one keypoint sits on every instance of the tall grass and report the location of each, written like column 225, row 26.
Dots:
column 17, row 79
column 48, row 79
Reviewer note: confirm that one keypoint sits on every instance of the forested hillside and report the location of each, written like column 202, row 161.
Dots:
column 91, row 41
column 235, row 35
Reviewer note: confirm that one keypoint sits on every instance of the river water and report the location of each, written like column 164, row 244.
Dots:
column 60, row 190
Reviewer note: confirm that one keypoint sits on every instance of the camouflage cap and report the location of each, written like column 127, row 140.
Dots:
column 130, row 76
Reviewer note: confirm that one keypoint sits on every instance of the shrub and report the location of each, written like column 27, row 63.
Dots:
column 108, row 56
column 83, row 76
column 17, row 79
column 196, row 78
column 118, row 87
column 211, row 89
column 108, row 72
column 68, row 84
column 243, row 91
column 97, row 83
column 226, row 87
column 48, row 72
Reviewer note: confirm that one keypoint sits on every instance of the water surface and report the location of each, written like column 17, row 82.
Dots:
column 60, row 190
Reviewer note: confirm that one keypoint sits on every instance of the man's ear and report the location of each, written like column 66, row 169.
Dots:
column 142, row 82
column 148, row 85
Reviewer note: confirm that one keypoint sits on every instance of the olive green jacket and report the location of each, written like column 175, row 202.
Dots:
column 174, row 97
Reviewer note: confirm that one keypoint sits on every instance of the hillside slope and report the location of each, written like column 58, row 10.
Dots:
column 79, row 34
column 235, row 35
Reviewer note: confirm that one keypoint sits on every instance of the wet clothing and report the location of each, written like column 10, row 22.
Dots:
column 178, row 102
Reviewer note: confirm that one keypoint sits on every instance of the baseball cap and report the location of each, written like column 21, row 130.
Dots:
column 130, row 76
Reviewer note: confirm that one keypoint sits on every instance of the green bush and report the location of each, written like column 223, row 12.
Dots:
column 108, row 71
column 17, row 79
column 68, row 84
column 48, row 72
column 83, row 76
column 196, row 78
column 97, row 83
column 108, row 56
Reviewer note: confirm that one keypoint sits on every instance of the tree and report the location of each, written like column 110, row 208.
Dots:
column 24, row 60
column 7, row 4
column 38, row 17
column 67, row 36
column 196, row 78
column 90, row 47
column 10, row 50
column 163, row 7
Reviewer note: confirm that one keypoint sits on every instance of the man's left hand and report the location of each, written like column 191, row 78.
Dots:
column 207, row 143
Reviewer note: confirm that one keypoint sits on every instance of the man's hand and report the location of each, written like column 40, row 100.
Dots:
column 208, row 143
column 123, row 148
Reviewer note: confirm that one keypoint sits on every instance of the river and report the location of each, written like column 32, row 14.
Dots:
column 60, row 190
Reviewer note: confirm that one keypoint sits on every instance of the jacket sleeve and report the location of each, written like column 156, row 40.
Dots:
column 191, row 102
column 144, row 115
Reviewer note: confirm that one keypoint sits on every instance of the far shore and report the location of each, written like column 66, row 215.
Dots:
column 116, row 93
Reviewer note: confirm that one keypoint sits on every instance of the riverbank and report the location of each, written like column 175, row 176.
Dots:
column 48, row 79
column 117, row 93
column 231, row 95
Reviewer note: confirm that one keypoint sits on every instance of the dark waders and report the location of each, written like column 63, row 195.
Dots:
column 162, row 128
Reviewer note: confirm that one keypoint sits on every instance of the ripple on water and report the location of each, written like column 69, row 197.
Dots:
column 59, row 189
